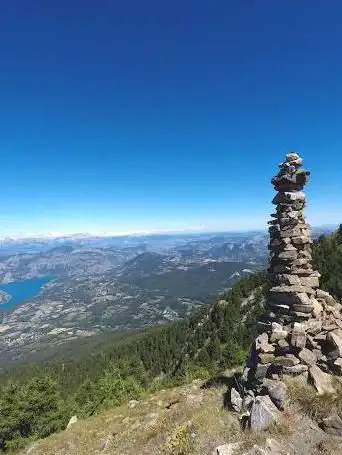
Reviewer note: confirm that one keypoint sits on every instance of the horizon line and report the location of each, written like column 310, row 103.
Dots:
column 57, row 235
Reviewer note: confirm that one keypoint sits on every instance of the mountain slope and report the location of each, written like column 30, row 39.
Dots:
column 215, row 337
column 186, row 420
column 43, row 397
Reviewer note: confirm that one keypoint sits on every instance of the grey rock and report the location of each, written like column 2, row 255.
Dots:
column 322, row 381
column 338, row 366
column 263, row 414
column 263, row 345
column 291, row 290
column 317, row 309
column 336, row 342
column 278, row 332
column 318, row 353
column 302, row 308
column 283, row 344
column 235, row 399
column 300, row 240
column 311, row 343
column 273, row 447
column 72, row 421
column 228, row 449
column 288, row 279
column 248, row 400
column 277, row 391
column 300, row 315
column 332, row 425
column 261, row 371
column 292, row 254
column 295, row 232
column 298, row 336
column 325, row 296
column 310, row 281
column 296, row 370
column 321, row 336
column 245, row 374
column 305, row 300
column 307, row 357
column 266, row 358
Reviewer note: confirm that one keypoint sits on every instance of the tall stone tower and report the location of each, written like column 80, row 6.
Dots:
column 294, row 282
column 301, row 330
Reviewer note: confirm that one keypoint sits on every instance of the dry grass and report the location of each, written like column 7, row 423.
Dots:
column 315, row 406
column 286, row 425
column 190, row 421
column 331, row 446
column 194, row 425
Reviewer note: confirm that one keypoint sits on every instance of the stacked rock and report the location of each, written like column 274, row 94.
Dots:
column 301, row 330
column 291, row 274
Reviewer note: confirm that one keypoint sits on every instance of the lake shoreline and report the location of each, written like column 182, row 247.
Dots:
column 22, row 290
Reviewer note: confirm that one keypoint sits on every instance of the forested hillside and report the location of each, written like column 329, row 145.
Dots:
column 39, row 399
column 327, row 255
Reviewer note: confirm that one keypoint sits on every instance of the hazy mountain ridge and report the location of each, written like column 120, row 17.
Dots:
column 120, row 288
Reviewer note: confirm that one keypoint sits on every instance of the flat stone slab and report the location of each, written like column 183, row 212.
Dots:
column 264, row 413
column 322, row 381
column 308, row 357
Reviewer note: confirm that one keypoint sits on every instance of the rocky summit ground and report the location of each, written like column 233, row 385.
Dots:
column 188, row 420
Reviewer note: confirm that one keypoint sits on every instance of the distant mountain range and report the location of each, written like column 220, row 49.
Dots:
column 9, row 245
column 119, row 284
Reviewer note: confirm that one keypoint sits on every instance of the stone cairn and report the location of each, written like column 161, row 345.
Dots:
column 301, row 330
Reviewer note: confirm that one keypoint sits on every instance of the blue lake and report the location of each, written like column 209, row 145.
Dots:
column 22, row 290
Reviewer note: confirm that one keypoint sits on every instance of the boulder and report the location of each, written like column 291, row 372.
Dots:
column 72, row 421
column 298, row 336
column 248, row 400
column 266, row 358
column 228, row 449
column 263, row 345
column 296, row 370
column 263, row 414
column 311, row 343
column 332, row 425
column 318, row 354
column 322, row 381
column 313, row 327
column 278, row 332
column 307, row 357
column 288, row 360
column 261, row 371
column 336, row 342
column 235, row 399
column 277, row 391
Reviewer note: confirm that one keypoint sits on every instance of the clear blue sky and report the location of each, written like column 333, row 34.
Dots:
column 154, row 115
